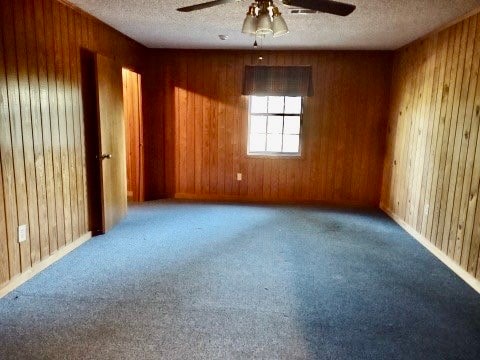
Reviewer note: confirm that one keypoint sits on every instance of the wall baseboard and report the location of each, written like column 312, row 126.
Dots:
column 37, row 268
column 251, row 200
column 456, row 268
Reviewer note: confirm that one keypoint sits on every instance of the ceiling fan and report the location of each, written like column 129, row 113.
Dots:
column 324, row 6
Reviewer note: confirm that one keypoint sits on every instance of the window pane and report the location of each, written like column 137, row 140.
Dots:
column 258, row 124
column 275, row 104
column 292, row 125
column 279, row 133
column 291, row 143
column 274, row 142
column 257, row 142
column 258, row 104
column 293, row 105
column 275, row 124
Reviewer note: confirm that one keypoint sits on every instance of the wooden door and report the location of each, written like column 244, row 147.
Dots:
column 132, row 108
column 112, row 155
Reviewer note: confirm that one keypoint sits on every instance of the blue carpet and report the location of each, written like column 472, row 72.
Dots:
column 180, row 280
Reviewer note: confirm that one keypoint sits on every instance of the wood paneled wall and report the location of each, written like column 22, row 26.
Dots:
column 432, row 166
column 132, row 108
column 42, row 151
column 205, row 116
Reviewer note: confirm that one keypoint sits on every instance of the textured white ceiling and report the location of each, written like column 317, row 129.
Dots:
column 375, row 24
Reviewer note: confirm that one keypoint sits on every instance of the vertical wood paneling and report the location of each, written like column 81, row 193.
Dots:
column 464, row 129
column 67, row 130
column 46, row 128
column 18, row 167
column 7, row 162
column 198, row 109
column 42, row 147
column 181, row 125
column 27, row 131
column 343, row 128
column 205, row 120
column 53, row 118
column 4, row 270
column 62, row 122
column 454, row 124
column 75, row 133
column 4, row 150
column 439, row 125
column 431, row 129
column 37, row 129
column 432, row 164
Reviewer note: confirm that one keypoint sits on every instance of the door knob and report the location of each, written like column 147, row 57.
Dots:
column 105, row 156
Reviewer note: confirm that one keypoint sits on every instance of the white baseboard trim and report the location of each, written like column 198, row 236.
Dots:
column 457, row 269
column 37, row 268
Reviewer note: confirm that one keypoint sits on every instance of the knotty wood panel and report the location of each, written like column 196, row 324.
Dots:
column 205, row 120
column 432, row 165
column 42, row 140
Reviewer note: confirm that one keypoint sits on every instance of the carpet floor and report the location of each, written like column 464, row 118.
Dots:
column 180, row 280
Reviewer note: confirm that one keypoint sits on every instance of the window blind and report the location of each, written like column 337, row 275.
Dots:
column 278, row 81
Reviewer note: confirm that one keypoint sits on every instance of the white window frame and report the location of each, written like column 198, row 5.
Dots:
column 283, row 114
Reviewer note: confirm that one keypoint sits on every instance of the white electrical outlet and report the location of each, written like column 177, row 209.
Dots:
column 427, row 208
column 22, row 233
column 239, row 176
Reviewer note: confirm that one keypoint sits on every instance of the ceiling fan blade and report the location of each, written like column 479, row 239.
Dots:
column 204, row 5
column 325, row 6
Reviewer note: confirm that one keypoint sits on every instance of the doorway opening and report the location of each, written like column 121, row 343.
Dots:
column 132, row 109
column 92, row 142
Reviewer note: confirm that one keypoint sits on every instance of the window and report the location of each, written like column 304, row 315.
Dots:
column 274, row 125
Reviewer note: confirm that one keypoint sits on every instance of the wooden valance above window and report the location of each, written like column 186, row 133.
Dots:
column 278, row 81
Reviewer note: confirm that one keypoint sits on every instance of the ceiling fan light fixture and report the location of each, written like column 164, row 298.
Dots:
column 249, row 25
column 263, row 17
column 264, row 23
column 250, row 22
column 279, row 26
